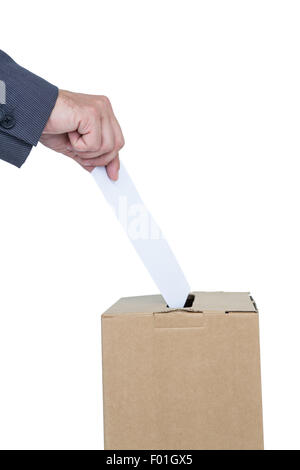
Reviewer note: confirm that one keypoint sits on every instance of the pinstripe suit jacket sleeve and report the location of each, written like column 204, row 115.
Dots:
column 26, row 102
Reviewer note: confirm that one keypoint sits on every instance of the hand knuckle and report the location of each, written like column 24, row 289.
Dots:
column 103, row 102
column 120, row 144
column 104, row 99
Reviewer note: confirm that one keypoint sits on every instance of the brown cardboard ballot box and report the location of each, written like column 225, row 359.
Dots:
column 182, row 379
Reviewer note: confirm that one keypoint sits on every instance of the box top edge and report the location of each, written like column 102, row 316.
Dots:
column 218, row 301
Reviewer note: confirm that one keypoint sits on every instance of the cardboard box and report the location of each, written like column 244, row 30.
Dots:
column 182, row 379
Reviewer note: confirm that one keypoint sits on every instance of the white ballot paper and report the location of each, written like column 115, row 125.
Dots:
column 145, row 235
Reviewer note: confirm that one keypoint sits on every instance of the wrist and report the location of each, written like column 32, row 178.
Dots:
column 61, row 116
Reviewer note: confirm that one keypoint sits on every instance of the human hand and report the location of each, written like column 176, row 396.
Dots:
column 85, row 128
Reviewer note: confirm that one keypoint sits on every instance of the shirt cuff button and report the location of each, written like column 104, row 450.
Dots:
column 7, row 122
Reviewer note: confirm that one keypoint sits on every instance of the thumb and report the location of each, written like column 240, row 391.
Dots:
column 86, row 138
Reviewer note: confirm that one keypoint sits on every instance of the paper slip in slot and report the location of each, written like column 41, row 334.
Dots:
column 145, row 235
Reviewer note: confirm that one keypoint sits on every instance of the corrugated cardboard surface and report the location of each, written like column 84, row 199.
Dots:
column 187, row 379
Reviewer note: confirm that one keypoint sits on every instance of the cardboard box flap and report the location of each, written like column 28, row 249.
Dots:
column 221, row 302
column 224, row 302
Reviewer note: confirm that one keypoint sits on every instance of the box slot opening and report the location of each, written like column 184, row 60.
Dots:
column 189, row 301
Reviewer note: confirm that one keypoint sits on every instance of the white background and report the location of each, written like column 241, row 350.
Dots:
column 208, row 96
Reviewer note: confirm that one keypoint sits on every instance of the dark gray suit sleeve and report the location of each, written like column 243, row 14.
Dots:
column 29, row 101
